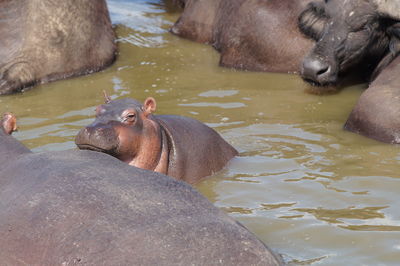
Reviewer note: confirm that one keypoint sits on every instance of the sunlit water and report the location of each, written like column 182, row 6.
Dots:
column 314, row 193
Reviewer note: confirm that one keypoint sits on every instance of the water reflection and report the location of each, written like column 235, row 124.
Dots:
column 311, row 191
column 336, row 216
column 139, row 15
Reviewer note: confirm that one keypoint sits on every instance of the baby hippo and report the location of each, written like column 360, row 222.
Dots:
column 178, row 146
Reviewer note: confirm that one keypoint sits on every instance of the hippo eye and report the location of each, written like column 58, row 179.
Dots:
column 129, row 117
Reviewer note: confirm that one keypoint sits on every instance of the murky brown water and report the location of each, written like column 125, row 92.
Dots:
column 313, row 192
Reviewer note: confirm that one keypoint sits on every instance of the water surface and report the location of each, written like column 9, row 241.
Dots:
column 314, row 193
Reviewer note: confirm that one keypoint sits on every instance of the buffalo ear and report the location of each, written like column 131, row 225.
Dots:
column 394, row 49
column 312, row 20
column 9, row 123
column 149, row 105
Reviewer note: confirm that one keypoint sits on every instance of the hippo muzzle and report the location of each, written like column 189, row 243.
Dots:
column 98, row 137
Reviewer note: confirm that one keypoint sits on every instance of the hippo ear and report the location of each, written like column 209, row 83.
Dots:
column 9, row 123
column 312, row 20
column 394, row 49
column 149, row 106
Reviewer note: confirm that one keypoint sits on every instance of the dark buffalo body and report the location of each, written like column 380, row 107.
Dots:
column 45, row 40
column 350, row 35
column 88, row 208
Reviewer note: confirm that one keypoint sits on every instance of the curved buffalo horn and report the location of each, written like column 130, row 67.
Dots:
column 106, row 97
column 388, row 8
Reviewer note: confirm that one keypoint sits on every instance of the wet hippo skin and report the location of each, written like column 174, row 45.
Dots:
column 88, row 208
column 376, row 114
column 256, row 35
column 46, row 40
column 178, row 146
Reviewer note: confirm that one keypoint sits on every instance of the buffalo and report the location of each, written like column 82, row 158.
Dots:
column 257, row 35
column 364, row 35
column 357, row 34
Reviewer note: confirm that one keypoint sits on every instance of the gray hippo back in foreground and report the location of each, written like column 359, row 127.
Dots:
column 88, row 208
column 46, row 40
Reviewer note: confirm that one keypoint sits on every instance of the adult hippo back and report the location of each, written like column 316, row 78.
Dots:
column 88, row 208
column 178, row 146
column 257, row 35
column 46, row 40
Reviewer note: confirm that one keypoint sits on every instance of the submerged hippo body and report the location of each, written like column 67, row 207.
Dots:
column 257, row 35
column 45, row 40
column 376, row 114
column 181, row 147
column 88, row 208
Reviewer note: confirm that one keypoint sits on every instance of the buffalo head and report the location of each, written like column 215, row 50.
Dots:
column 348, row 34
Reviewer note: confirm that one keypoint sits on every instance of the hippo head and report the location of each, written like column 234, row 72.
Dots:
column 120, row 129
column 349, row 34
column 8, row 123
